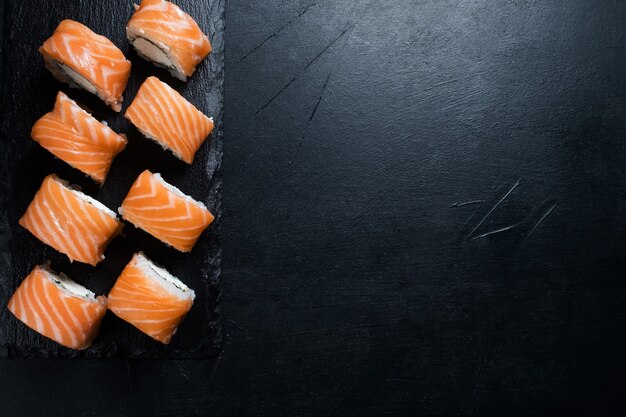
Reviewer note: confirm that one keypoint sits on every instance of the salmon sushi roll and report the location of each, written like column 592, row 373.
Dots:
column 165, row 212
column 163, row 34
column 74, row 136
column 163, row 115
column 81, row 58
column 71, row 222
column 58, row 308
column 150, row 298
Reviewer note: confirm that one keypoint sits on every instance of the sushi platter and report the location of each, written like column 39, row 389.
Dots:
column 111, row 192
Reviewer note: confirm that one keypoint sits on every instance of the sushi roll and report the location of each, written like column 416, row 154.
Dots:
column 74, row 136
column 81, row 58
column 150, row 298
column 58, row 308
column 165, row 212
column 71, row 222
column 162, row 33
column 163, row 115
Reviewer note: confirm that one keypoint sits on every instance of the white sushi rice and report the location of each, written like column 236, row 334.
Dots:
column 86, row 198
column 66, row 284
column 69, row 76
column 155, row 52
column 172, row 285
column 176, row 191
column 79, row 80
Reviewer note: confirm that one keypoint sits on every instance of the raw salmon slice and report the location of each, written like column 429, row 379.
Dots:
column 71, row 222
column 150, row 298
column 163, row 115
column 165, row 35
column 76, row 137
column 77, row 56
column 58, row 308
column 165, row 212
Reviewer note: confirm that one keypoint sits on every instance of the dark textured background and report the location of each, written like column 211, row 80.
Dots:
column 423, row 215
column 28, row 92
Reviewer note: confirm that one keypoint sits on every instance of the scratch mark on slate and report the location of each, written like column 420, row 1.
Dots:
column 245, row 271
column 500, row 200
column 493, row 232
column 181, row 370
column 306, row 9
column 466, row 203
column 320, row 97
column 275, row 95
column 328, row 46
column 130, row 378
column 541, row 219
column 236, row 324
column 304, row 69
column 454, row 80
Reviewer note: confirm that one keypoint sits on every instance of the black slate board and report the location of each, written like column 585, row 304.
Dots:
column 28, row 92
